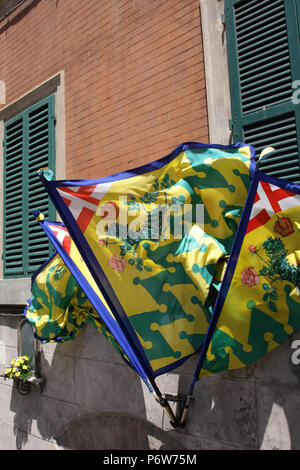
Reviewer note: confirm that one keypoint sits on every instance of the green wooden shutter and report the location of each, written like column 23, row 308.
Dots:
column 264, row 60
column 29, row 144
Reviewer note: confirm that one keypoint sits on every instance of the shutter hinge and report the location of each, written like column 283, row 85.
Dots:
column 223, row 19
column 231, row 124
column 2, row 256
column 54, row 118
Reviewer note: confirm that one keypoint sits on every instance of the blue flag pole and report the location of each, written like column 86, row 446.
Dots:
column 113, row 327
column 233, row 258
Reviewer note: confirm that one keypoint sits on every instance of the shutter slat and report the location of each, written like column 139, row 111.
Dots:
column 10, row 129
column 243, row 11
column 16, row 141
column 265, row 98
column 273, row 166
column 248, row 92
column 258, row 37
column 255, row 104
column 43, row 140
column 254, row 59
column 35, row 115
column 37, row 199
column 14, row 148
column 10, row 156
column 16, row 134
column 39, row 123
column 39, row 155
column 37, row 148
column 248, row 71
column 264, row 7
column 283, row 122
column 13, row 234
column 12, row 204
column 15, row 241
column 35, row 166
column 13, row 175
column 265, row 47
column 249, row 49
column 37, row 188
column 42, row 249
column 285, row 173
column 253, row 81
column 12, row 257
column 261, row 22
column 250, row 64
column 281, row 134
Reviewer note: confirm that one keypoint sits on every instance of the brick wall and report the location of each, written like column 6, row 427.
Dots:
column 134, row 76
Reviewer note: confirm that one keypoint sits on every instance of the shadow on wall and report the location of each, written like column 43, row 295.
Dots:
column 43, row 417
column 111, row 431
column 86, row 380
column 256, row 407
column 27, row 417
column 92, row 400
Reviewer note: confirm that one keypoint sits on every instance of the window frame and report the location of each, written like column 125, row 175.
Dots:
column 26, row 271
column 241, row 120
column 17, row 290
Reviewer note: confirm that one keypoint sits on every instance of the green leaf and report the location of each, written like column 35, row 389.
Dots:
column 274, row 295
column 263, row 271
column 131, row 261
column 147, row 268
column 139, row 267
column 272, row 306
column 265, row 297
column 266, row 286
column 156, row 184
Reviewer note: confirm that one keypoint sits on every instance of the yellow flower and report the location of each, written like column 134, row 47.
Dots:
column 14, row 369
column 13, row 360
column 17, row 374
column 24, row 367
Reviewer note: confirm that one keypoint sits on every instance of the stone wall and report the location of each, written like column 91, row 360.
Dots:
column 92, row 399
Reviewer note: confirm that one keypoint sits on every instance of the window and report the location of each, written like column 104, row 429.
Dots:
column 29, row 144
column 264, row 61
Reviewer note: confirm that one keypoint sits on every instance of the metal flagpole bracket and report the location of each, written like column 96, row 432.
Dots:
column 183, row 403
column 184, row 410
column 265, row 153
column 162, row 400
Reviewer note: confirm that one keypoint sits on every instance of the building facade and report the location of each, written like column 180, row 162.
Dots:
column 90, row 88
